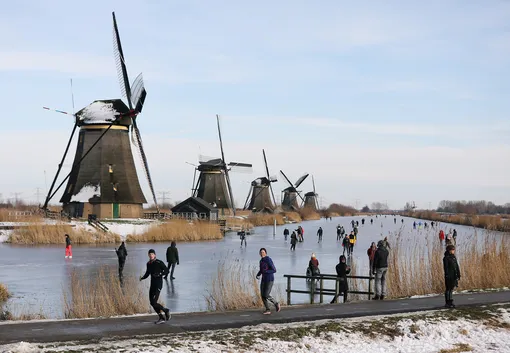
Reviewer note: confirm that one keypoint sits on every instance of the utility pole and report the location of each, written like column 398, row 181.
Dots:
column 163, row 196
column 37, row 194
column 16, row 197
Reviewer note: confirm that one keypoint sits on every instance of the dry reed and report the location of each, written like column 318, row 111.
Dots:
column 309, row 214
column 54, row 234
column 480, row 221
column 14, row 215
column 103, row 296
column 234, row 287
column 238, row 223
column 484, row 264
column 265, row 219
column 4, row 293
column 292, row 217
column 179, row 230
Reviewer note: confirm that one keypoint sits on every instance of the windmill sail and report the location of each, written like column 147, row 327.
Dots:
column 121, row 64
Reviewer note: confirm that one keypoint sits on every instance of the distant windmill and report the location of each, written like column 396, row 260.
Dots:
column 311, row 198
column 259, row 199
column 103, row 179
column 213, row 185
column 291, row 193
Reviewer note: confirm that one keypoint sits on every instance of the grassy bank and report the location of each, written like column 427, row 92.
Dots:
column 479, row 221
column 234, row 287
column 104, row 296
column 178, row 230
column 54, row 234
column 418, row 270
column 265, row 219
column 4, row 293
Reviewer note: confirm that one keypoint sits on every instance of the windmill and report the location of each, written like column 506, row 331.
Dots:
column 291, row 193
column 311, row 198
column 259, row 198
column 103, row 179
column 213, row 184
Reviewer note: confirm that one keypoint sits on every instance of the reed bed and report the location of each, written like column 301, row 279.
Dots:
column 234, row 287
column 484, row 264
column 309, row 214
column 265, row 219
column 238, row 222
column 480, row 221
column 292, row 217
column 14, row 215
column 179, row 230
column 4, row 293
column 104, row 296
column 54, row 234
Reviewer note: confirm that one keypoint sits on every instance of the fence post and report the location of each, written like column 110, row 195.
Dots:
column 288, row 290
column 321, row 288
column 337, row 288
column 312, row 290
column 369, row 285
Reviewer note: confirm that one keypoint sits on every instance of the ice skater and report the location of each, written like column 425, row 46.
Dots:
column 69, row 247
column 157, row 270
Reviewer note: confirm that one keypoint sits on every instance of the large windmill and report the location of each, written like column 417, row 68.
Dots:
column 259, row 199
column 290, row 194
column 213, row 183
column 311, row 198
column 103, row 179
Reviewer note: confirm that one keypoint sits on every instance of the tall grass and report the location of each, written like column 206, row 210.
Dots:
column 234, row 287
column 54, row 234
column 103, row 296
column 265, row 219
column 4, row 293
column 292, row 217
column 479, row 221
column 179, row 230
column 15, row 215
column 417, row 269
column 309, row 214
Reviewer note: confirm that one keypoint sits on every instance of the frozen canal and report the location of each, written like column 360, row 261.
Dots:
column 37, row 275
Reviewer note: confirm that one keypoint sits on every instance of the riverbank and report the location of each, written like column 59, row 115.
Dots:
column 490, row 222
column 293, row 329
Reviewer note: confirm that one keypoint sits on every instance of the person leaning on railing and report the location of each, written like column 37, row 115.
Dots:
column 342, row 270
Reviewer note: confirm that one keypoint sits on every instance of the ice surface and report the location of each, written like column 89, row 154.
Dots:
column 98, row 112
column 86, row 193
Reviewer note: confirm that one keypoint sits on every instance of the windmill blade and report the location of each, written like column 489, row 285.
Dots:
column 288, row 181
column 138, row 137
column 138, row 93
column 248, row 198
column 301, row 197
column 231, row 196
column 239, row 164
column 121, row 64
column 313, row 183
column 300, row 180
column 265, row 162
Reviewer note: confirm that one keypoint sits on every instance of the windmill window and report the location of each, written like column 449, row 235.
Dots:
column 110, row 168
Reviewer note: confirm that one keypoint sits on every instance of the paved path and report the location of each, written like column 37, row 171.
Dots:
column 89, row 330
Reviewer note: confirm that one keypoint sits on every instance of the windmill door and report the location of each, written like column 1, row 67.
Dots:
column 116, row 210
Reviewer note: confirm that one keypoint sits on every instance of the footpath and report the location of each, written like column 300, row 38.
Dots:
column 95, row 329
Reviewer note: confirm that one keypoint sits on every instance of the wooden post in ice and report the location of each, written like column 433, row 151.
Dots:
column 274, row 228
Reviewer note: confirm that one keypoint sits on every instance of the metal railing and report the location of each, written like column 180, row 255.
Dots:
column 321, row 291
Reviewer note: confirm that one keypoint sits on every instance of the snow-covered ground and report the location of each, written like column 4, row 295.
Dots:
column 485, row 329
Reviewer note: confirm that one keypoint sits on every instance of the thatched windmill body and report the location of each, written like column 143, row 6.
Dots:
column 311, row 198
column 291, row 193
column 213, row 184
column 103, row 179
column 261, row 196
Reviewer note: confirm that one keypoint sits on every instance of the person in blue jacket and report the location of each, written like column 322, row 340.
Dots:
column 267, row 270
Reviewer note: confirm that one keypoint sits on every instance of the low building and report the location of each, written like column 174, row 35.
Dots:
column 195, row 208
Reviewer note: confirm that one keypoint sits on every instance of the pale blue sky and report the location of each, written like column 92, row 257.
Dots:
column 394, row 100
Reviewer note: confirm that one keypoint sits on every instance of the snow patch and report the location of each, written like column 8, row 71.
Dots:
column 86, row 193
column 4, row 235
column 99, row 112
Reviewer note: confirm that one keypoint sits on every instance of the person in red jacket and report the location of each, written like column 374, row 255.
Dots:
column 441, row 236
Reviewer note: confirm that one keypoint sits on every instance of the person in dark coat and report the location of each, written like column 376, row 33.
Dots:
column 157, row 270
column 451, row 275
column 380, row 269
column 286, row 233
column 267, row 271
column 345, row 244
column 293, row 241
column 172, row 257
column 121, row 255
column 319, row 234
column 371, row 254
column 342, row 270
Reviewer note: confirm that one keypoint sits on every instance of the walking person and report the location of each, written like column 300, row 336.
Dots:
column 267, row 270
column 121, row 255
column 338, row 232
column 319, row 234
column 380, row 269
column 157, row 270
column 242, row 236
column 69, row 247
column 371, row 221
column 342, row 270
column 371, row 254
column 293, row 241
column 455, row 236
column 441, row 236
column 363, row 221
column 346, row 245
column 352, row 241
column 172, row 257
column 451, row 275
column 286, row 233
column 313, row 265
column 395, row 220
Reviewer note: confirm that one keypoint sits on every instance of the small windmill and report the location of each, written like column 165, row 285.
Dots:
column 103, row 177
column 311, row 198
column 259, row 199
column 213, row 185
column 290, row 194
